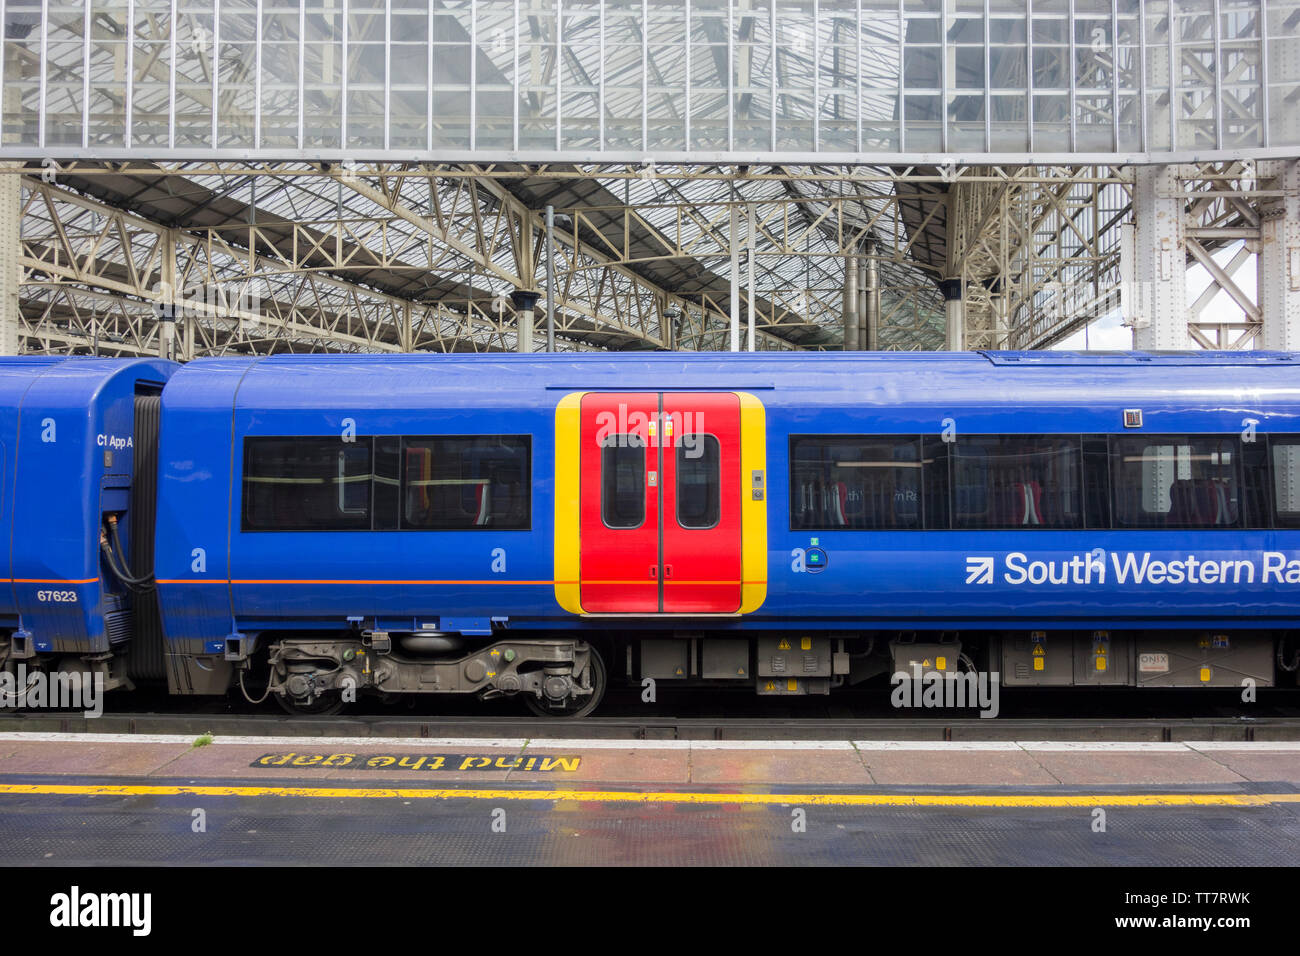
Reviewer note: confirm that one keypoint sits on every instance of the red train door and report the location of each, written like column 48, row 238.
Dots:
column 619, row 503
column 659, row 512
column 701, row 503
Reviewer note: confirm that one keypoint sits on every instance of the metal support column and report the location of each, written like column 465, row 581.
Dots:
column 172, row 300
column 670, row 323
column 550, row 280
column 751, row 234
column 1278, row 266
column 10, row 252
column 525, row 304
column 851, row 319
column 187, row 347
column 735, row 278
column 871, row 315
column 1159, row 260
column 862, row 302
column 955, row 315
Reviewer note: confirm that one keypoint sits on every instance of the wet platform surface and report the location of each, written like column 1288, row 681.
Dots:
column 105, row 799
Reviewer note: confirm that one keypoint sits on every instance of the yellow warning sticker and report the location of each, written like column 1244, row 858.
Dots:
column 1038, row 650
column 792, row 684
column 1038, row 663
column 1101, row 663
column 941, row 663
column 784, row 645
column 805, row 643
column 1205, row 674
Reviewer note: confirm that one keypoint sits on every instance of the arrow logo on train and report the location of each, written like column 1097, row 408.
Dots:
column 979, row 570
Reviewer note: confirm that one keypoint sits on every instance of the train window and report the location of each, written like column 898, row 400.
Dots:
column 387, row 493
column 1286, row 480
column 1254, row 484
column 855, row 482
column 1023, row 481
column 622, row 481
column 1096, row 481
column 699, row 482
column 466, row 483
column 936, row 506
column 306, row 484
column 1175, row 481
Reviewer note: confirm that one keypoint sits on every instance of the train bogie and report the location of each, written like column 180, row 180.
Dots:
column 314, row 675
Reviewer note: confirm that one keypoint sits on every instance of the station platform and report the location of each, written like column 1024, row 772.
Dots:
column 98, row 799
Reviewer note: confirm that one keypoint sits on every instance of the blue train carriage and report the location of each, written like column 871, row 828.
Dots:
column 1055, row 519
column 369, row 523
column 77, row 472
column 505, row 525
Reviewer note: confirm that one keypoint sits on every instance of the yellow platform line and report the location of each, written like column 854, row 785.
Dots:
column 996, row 801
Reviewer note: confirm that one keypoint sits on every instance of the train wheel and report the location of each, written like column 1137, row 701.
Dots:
column 324, row 706
column 575, row 708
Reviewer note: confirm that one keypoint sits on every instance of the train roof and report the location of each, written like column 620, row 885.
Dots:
column 662, row 362
column 1007, row 380
column 780, row 360
column 73, row 377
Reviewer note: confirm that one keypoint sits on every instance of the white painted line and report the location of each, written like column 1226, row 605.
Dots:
column 771, row 745
column 301, row 743
column 305, row 743
column 470, row 743
column 41, row 737
column 1101, row 746
column 486, row 743
column 1033, row 746
column 521, row 743
column 1247, row 746
column 549, row 743
column 481, row 743
column 937, row 745
column 604, row 744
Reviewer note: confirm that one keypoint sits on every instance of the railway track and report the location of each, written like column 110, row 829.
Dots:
column 673, row 728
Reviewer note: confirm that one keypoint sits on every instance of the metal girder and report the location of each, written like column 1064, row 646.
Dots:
column 226, row 296
column 475, row 234
column 1278, row 270
column 595, row 289
column 473, row 230
column 1040, row 259
column 1036, row 254
column 1215, row 217
column 398, row 257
